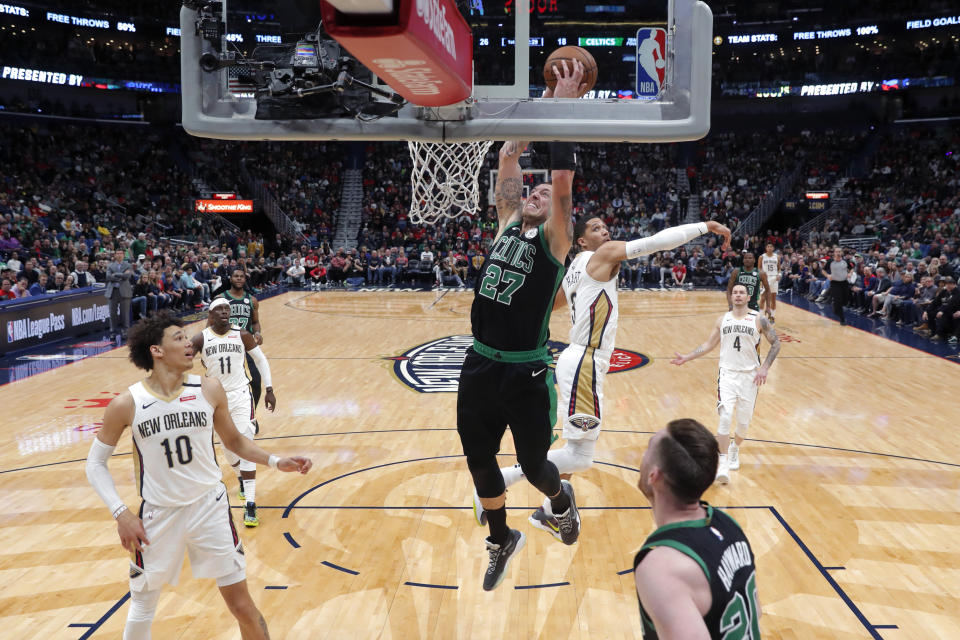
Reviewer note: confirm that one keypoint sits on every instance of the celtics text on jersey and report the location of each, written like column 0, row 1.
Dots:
column 515, row 291
column 241, row 311
column 751, row 280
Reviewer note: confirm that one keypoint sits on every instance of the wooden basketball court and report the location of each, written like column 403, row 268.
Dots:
column 849, row 490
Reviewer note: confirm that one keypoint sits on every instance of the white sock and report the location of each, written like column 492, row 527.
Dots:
column 511, row 475
column 773, row 313
column 250, row 490
column 547, row 508
column 723, row 460
column 734, row 447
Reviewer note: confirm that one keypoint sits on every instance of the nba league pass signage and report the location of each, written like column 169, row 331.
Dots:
column 49, row 318
column 434, row 367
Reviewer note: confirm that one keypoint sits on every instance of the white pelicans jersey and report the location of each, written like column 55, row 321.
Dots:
column 225, row 358
column 173, row 455
column 739, row 340
column 593, row 306
column 771, row 266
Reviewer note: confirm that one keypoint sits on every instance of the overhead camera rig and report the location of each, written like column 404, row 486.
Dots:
column 312, row 78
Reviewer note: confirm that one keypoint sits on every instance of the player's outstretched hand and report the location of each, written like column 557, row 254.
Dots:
column 295, row 463
column 569, row 79
column 131, row 531
column 721, row 230
column 677, row 359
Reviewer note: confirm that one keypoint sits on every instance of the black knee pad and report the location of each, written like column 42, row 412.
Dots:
column 486, row 477
column 542, row 474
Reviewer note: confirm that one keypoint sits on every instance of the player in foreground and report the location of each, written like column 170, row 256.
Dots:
column 184, row 504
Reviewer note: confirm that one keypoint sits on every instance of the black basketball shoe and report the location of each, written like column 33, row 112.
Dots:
column 500, row 556
column 569, row 521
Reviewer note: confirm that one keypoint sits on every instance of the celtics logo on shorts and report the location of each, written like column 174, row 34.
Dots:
column 434, row 367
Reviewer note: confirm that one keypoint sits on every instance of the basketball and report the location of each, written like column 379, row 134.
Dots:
column 569, row 54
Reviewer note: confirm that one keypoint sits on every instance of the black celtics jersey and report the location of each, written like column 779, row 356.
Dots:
column 241, row 311
column 514, row 293
column 718, row 545
column 751, row 280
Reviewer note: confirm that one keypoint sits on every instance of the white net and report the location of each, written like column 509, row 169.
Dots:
column 445, row 179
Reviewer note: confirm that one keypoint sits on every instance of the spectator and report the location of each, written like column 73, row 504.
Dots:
column 6, row 290
column 925, row 296
column 39, row 288
column 199, row 294
column 295, row 273
column 679, row 272
column 947, row 316
column 22, row 289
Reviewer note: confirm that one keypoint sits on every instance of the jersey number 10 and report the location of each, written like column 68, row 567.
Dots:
column 183, row 448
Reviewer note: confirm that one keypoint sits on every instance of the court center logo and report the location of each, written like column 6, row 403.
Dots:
column 434, row 367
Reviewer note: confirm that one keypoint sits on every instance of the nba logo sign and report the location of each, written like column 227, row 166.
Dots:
column 10, row 335
column 651, row 62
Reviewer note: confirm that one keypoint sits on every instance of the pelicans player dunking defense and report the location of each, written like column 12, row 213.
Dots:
column 184, row 507
column 590, row 288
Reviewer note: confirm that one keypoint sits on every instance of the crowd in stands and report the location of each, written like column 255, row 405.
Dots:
column 71, row 195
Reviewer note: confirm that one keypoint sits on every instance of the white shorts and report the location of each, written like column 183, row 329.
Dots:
column 203, row 528
column 737, row 390
column 240, row 402
column 580, row 374
column 774, row 282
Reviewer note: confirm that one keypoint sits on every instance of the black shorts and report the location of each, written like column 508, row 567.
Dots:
column 494, row 394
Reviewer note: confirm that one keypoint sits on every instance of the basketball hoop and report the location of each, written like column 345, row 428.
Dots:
column 444, row 179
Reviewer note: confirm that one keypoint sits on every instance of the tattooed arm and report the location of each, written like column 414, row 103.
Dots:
column 509, row 188
column 706, row 347
column 559, row 226
column 771, row 335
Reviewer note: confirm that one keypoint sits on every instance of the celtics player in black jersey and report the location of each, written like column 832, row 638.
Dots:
column 749, row 276
column 695, row 575
column 245, row 316
column 506, row 377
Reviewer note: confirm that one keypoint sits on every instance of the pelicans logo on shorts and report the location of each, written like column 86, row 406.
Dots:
column 584, row 423
column 434, row 367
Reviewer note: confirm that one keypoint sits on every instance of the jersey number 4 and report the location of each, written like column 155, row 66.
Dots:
column 736, row 345
column 741, row 620
column 492, row 279
column 182, row 448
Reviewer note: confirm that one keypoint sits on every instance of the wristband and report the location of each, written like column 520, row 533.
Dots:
column 274, row 461
column 563, row 156
column 118, row 511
